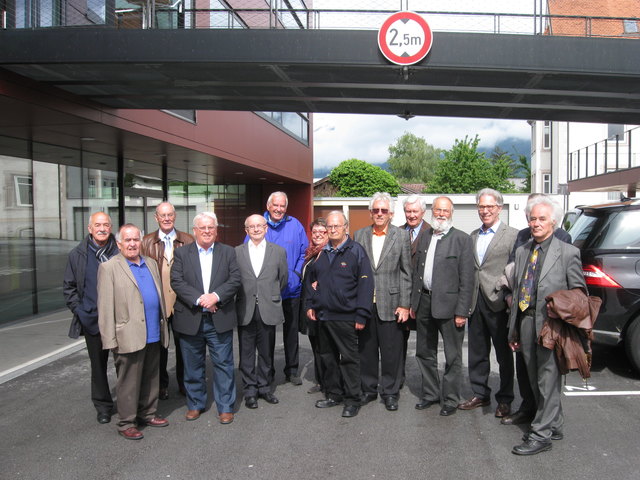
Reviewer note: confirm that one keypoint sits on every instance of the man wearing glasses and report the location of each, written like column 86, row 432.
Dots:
column 338, row 294
column 206, row 278
column 263, row 267
column 160, row 245
column 493, row 243
column 382, row 339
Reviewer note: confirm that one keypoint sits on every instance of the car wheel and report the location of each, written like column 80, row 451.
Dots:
column 632, row 344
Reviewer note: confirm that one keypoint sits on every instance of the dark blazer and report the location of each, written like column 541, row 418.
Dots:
column 266, row 288
column 489, row 273
column 414, row 245
column 393, row 273
column 453, row 282
column 186, row 281
column 561, row 270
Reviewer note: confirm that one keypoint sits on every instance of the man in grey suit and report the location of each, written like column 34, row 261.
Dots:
column 493, row 243
column 543, row 266
column 264, row 274
column 443, row 283
column 382, row 339
column 206, row 278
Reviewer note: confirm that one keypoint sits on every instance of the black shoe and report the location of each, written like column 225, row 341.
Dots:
column 294, row 379
column 326, row 403
column 350, row 411
column 391, row 403
column 518, row 418
column 269, row 398
column 531, row 447
column 422, row 404
column 163, row 394
column 447, row 410
column 251, row 402
column 104, row 417
column 368, row 398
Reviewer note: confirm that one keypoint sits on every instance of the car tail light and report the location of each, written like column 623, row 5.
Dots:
column 597, row 278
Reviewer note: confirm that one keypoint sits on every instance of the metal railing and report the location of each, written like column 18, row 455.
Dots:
column 277, row 14
column 620, row 152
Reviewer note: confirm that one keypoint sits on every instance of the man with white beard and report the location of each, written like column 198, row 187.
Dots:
column 443, row 283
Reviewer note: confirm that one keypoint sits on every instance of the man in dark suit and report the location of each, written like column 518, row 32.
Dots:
column 80, row 289
column 415, row 209
column 133, row 325
column 264, row 271
column 160, row 245
column 205, row 277
column 527, row 409
column 443, row 282
column 493, row 243
column 543, row 266
column 382, row 338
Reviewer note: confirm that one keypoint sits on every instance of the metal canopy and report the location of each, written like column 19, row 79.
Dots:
column 465, row 75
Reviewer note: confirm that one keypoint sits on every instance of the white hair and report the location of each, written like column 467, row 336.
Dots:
column 384, row 196
column 411, row 199
column 203, row 215
column 490, row 191
column 556, row 210
column 278, row 194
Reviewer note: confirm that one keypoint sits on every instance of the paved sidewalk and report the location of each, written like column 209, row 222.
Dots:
column 29, row 344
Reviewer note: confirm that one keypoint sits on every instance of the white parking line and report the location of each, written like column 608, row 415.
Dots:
column 602, row 393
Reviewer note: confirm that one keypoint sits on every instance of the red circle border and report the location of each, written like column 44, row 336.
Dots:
column 389, row 55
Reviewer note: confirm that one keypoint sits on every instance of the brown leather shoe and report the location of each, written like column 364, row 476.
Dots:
column 474, row 402
column 193, row 415
column 226, row 418
column 131, row 433
column 503, row 410
column 156, row 422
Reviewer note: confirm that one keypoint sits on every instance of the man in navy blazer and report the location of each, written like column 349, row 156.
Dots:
column 206, row 278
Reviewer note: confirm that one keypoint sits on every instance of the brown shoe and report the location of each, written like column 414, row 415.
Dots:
column 474, row 402
column 131, row 433
column 226, row 418
column 193, row 415
column 503, row 410
column 156, row 422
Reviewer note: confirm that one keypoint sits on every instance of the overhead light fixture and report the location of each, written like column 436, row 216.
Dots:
column 239, row 173
column 406, row 115
column 87, row 139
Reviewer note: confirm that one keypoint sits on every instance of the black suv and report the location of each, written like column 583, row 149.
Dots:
column 608, row 237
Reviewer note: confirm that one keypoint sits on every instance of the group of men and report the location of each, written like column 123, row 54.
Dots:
column 366, row 292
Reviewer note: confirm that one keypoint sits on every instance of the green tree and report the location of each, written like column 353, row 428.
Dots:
column 519, row 167
column 357, row 178
column 465, row 170
column 412, row 159
column 524, row 166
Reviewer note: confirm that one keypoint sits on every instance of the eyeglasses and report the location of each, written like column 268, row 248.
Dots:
column 383, row 211
column 206, row 229
column 255, row 227
column 487, row 207
column 165, row 215
column 441, row 211
column 318, row 232
column 334, row 227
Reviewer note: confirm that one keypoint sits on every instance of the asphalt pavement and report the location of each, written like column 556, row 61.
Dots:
column 49, row 430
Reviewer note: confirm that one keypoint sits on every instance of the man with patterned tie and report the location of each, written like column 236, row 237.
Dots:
column 543, row 266
column 160, row 245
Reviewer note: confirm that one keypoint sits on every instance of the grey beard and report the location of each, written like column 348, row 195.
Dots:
column 441, row 225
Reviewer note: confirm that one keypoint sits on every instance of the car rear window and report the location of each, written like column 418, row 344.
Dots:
column 582, row 228
column 613, row 230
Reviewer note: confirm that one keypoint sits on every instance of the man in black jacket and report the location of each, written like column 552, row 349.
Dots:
column 81, row 296
column 339, row 295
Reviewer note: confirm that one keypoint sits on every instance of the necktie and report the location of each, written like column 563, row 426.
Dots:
column 168, row 248
column 524, row 298
column 412, row 234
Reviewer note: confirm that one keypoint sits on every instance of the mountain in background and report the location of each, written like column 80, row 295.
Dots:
column 513, row 146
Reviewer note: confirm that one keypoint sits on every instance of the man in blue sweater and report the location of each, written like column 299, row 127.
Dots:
column 339, row 295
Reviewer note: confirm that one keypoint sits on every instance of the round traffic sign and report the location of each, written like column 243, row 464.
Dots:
column 405, row 38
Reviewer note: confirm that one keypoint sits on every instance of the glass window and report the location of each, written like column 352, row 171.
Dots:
column 24, row 190
column 630, row 26
column 620, row 232
column 546, row 183
column 582, row 227
column 546, row 135
column 614, row 130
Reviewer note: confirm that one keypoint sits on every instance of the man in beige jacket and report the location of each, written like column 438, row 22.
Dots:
column 133, row 326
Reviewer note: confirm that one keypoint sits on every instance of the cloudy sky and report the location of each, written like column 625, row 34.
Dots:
column 338, row 137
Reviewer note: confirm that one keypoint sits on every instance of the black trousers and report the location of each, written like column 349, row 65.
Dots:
column 528, row 404
column 100, row 391
column 260, row 337
column 338, row 343
column 381, row 342
column 164, row 360
column 291, row 309
column 487, row 327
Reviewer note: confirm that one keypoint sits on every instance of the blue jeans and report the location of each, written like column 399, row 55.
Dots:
column 194, row 357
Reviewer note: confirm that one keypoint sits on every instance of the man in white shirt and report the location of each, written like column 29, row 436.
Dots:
column 264, row 272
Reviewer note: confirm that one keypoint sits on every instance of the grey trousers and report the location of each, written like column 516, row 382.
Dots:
column 546, row 382
column 427, row 329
